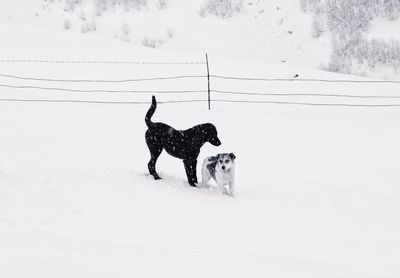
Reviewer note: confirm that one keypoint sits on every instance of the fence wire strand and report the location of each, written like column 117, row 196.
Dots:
column 102, row 91
column 303, row 80
column 200, row 100
column 302, row 94
column 98, row 101
column 101, row 80
column 306, row 103
column 98, row 62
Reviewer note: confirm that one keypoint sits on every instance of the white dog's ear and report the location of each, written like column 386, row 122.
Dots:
column 232, row 156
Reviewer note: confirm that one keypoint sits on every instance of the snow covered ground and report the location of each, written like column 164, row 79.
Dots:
column 317, row 187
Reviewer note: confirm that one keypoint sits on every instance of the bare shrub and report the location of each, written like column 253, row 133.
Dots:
column 221, row 8
column 151, row 42
column 125, row 32
column 161, row 4
column 348, row 21
column 67, row 24
column 89, row 26
column 170, row 33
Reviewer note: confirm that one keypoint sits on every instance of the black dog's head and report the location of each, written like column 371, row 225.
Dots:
column 210, row 134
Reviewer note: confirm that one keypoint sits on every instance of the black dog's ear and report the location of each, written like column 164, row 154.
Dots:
column 232, row 156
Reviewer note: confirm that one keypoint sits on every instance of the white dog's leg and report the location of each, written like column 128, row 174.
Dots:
column 232, row 189
column 221, row 185
column 223, row 189
column 205, row 179
column 205, row 175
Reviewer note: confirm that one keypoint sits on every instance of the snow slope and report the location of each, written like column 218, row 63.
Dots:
column 317, row 187
column 273, row 30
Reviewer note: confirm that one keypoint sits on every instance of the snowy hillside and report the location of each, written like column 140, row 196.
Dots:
column 317, row 186
column 353, row 37
column 275, row 30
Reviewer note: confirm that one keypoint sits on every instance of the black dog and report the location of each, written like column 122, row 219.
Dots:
column 183, row 144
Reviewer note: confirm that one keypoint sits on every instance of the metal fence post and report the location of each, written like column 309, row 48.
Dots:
column 208, row 80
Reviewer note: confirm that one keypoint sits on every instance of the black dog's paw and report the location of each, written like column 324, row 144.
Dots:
column 156, row 177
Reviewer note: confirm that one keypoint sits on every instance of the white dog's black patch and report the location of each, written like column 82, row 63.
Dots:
column 211, row 168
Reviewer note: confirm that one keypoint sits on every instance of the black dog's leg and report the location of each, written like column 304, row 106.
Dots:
column 152, row 167
column 155, row 151
column 190, row 168
column 194, row 168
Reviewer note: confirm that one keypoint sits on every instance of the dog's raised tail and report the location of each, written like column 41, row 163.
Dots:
column 151, row 111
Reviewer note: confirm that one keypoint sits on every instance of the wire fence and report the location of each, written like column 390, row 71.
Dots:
column 296, row 79
column 305, row 94
column 196, row 101
column 207, row 94
column 96, row 62
column 197, row 76
column 102, row 80
column 98, row 101
column 101, row 90
column 306, row 103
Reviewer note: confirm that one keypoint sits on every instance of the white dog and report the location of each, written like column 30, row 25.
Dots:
column 222, row 169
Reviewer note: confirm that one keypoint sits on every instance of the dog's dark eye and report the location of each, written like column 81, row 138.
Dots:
column 226, row 161
column 220, row 161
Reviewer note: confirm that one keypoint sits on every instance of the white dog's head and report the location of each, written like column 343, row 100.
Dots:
column 225, row 161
